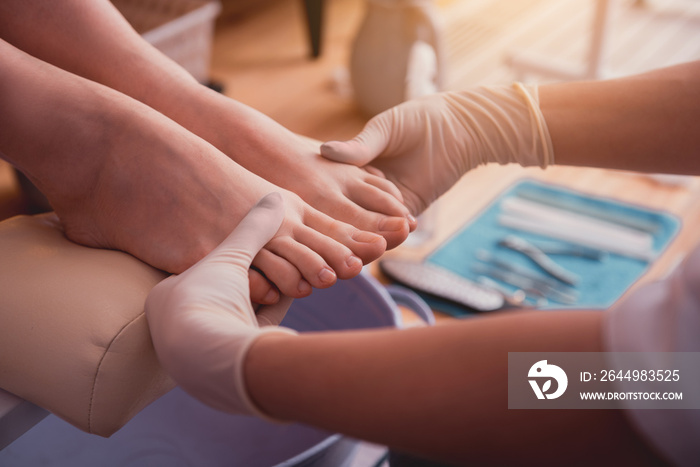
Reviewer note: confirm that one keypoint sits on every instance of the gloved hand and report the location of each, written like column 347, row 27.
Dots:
column 424, row 146
column 202, row 322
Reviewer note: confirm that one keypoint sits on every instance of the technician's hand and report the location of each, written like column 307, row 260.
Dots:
column 202, row 322
column 424, row 146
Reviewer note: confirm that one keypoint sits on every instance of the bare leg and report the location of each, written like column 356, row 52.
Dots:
column 93, row 40
column 121, row 175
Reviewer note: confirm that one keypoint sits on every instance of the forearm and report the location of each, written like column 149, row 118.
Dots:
column 438, row 392
column 646, row 123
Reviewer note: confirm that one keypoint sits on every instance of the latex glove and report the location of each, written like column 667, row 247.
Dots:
column 424, row 146
column 202, row 322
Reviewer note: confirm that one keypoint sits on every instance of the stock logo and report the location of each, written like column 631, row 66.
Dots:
column 545, row 373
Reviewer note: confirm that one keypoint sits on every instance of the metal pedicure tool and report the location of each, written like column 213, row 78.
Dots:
column 442, row 283
column 517, row 297
column 569, row 249
column 513, row 280
column 540, row 281
column 530, row 286
column 540, row 258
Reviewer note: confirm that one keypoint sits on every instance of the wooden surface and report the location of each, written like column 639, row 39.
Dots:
column 261, row 57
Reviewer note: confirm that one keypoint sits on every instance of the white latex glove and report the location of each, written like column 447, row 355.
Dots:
column 202, row 322
column 424, row 146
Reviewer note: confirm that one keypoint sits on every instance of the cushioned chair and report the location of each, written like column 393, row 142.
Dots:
column 74, row 336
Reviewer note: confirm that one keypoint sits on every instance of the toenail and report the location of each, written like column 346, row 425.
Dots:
column 354, row 262
column 304, row 287
column 366, row 237
column 392, row 224
column 327, row 276
column 271, row 297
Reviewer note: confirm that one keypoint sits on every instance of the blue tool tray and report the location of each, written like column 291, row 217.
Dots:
column 602, row 282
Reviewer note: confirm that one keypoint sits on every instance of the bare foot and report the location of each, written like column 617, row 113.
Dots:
column 364, row 199
column 169, row 198
column 354, row 195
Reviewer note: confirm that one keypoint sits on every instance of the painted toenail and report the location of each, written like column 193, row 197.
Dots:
column 366, row 237
column 327, row 276
column 392, row 224
column 354, row 262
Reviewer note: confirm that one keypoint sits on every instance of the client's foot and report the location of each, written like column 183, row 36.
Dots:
column 350, row 194
column 168, row 197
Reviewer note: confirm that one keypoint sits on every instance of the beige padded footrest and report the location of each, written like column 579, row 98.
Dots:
column 73, row 334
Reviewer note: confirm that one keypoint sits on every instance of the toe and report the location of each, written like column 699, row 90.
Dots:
column 377, row 200
column 309, row 257
column 381, row 213
column 282, row 273
column 262, row 291
column 337, row 254
column 376, row 178
column 366, row 245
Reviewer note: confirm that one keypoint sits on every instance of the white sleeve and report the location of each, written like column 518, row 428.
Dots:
column 663, row 317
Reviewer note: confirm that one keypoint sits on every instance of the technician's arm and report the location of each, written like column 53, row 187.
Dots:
column 441, row 392
column 648, row 122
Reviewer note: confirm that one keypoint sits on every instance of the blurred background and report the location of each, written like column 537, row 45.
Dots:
column 261, row 52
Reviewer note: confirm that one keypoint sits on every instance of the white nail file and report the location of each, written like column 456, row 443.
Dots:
column 443, row 284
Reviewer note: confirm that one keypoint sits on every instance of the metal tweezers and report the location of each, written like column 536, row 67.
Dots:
column 540, row 258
